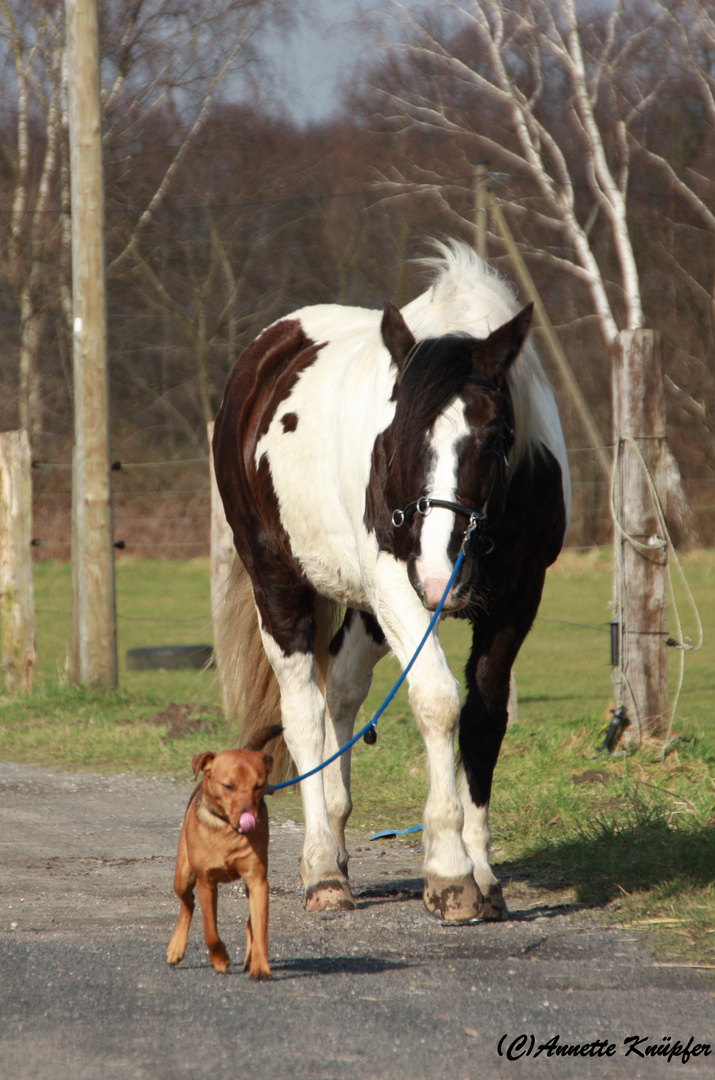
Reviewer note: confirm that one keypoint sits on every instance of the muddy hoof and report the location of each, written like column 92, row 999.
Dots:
column 457, row 901
column 332, row 895
column 494, row 908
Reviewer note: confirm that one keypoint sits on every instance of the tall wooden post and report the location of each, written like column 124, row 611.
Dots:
column 480, row 209
column 222, row 554
column 93, row 554
column 17, row 604
column 640, row 574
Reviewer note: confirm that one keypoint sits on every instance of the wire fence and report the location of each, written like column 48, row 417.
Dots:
column 161, row 508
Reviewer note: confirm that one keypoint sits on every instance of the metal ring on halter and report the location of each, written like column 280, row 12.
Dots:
column 398, row 518
column 424, row 505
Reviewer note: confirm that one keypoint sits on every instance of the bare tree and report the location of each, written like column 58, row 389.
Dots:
column 561, row 79
column 690, row 29
column 32, row 47
column 556, row 95
column 158, row 58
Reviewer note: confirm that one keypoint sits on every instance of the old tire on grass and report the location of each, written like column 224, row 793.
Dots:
column 169, row 657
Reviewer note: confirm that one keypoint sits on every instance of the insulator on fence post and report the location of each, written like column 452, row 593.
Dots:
column 615, row 642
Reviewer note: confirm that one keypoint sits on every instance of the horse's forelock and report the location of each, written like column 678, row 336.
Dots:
column 437, row 372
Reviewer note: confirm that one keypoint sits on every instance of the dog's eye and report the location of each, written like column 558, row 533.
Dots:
column 228, row 787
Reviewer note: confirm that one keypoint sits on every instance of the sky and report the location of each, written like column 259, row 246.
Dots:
column 321, row 50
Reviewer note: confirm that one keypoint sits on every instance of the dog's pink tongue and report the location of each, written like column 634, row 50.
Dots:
column 247, row 822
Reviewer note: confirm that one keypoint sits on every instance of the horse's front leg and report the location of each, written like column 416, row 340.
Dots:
column 450, row 889
column 354, row 651
column 303, row 719
column 496, row 639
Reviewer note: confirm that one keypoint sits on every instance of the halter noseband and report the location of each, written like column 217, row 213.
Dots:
column 473, row 540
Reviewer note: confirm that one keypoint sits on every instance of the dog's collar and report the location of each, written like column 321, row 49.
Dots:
column 209, row 816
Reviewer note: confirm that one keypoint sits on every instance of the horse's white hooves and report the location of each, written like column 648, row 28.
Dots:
column 334, row 895
column 494, row 908
column 458, row 901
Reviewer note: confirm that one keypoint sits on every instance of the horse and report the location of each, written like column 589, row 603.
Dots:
column 354, row 450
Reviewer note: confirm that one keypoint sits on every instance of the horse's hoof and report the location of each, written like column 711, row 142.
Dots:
column 457, row 901
column 334, row 895
column 494, row 908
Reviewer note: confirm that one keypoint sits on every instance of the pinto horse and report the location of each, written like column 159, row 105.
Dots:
column 351, row 450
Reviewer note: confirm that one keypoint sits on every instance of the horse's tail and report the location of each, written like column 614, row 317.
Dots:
column 249, row 687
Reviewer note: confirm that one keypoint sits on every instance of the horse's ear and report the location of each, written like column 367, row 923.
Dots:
column 498, row 352
column 397, row 336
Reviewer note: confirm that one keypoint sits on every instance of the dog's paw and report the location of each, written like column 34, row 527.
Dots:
column 219, row 961
column 261, row 974
column 174, row 954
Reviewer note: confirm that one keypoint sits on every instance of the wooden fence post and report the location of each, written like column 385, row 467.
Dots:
column 640, row 556
column 222, row 553
column 17, row 604
column 94, row 645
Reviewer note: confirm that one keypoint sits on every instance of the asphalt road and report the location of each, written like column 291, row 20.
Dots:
column 87, row 908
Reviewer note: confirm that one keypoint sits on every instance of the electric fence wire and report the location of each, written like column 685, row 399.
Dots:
column 664, row 543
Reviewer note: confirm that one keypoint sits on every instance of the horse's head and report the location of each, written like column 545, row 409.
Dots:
column 447, row 451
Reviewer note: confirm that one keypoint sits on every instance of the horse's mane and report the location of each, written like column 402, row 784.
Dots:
column 469, row 297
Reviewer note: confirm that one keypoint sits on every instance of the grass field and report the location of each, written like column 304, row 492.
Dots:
column 632, row 835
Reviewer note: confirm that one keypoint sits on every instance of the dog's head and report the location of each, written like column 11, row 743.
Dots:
column 234, row 784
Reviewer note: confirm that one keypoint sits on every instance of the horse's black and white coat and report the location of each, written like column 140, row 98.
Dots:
column 334, row 418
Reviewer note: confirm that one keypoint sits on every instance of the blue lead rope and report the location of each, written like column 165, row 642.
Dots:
column 373, row 722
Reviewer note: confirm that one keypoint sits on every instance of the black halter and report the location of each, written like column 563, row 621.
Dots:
column 474, row 542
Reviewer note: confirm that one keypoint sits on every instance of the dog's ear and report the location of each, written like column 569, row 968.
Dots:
column 199, row 762
column 269, row 762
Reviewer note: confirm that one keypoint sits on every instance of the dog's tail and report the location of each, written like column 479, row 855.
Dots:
column 249, row 687
column 264, row 736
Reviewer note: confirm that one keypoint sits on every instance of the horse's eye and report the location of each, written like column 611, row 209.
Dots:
column 228, row 787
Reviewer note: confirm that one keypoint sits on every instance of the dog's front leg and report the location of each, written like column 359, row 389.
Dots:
column 208, row 899
column 184, row 883
column 256, row 960
column 177, row 946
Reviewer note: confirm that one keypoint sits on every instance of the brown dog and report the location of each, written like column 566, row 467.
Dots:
column 225, row 836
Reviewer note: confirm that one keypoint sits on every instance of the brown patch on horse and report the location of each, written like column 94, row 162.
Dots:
column 264, row 376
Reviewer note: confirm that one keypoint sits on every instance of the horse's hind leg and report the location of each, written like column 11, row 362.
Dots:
column 354, row 651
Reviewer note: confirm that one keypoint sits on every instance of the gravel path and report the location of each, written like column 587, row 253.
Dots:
column 87, row 908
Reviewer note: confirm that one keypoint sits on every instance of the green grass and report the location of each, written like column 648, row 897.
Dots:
column 631, row 835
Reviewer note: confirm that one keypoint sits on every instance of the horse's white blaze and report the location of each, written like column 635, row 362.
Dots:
column 433, row 567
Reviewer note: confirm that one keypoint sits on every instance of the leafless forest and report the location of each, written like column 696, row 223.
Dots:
column 597, row 120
